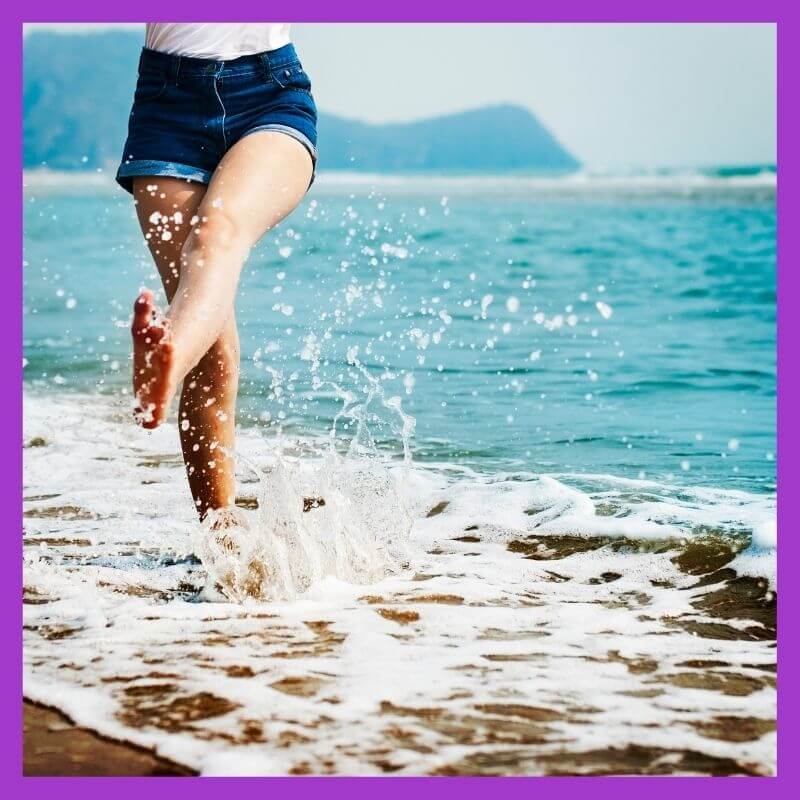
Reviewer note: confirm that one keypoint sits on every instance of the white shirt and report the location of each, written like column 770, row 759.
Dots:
column 218, row 41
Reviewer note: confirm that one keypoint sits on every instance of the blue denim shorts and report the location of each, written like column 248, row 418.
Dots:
column 188, row 112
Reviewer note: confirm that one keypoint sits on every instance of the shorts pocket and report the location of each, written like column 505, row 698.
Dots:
column 292, row 76
column 150, row 86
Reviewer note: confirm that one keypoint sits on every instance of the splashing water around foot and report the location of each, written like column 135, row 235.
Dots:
column 358, row 534
column 334, row 515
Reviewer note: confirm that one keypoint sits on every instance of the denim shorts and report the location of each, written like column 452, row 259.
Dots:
column 188, row 112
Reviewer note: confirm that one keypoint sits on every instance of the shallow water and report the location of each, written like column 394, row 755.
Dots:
column 477, row 308
column 572, row 571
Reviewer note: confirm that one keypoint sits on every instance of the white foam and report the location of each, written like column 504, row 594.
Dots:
column 685, row 183
column 765, row 534
column 759, row 560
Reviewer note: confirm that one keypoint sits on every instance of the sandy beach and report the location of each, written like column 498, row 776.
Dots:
column 53, row 745
column 510, row 643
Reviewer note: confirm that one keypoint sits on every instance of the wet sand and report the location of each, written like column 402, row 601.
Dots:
column 54, row 746
column 707, row 691
column 508, row 646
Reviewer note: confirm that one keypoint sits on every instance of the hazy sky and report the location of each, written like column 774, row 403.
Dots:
column 615, row 95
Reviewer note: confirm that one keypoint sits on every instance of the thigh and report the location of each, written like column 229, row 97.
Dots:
column 166, row 207
column 261, row 180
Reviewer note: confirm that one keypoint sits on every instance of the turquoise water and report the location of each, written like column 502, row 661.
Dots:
column 478, row 308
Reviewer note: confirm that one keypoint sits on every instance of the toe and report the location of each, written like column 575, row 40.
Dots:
column 142, row 312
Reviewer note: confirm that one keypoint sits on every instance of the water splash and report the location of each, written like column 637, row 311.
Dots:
column 330, row 514
column 335, row 516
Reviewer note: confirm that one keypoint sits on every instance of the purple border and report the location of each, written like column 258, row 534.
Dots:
column 784, row 13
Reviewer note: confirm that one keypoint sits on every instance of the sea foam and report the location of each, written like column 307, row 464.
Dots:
column 535, row 620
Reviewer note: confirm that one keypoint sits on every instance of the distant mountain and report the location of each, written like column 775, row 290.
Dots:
column 78, row 88
column 494, row 139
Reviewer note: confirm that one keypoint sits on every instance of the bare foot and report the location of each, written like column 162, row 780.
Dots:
column 153, row 386
column 228, row 554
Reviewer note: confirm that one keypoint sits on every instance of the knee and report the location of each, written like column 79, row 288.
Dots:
column 216, row 230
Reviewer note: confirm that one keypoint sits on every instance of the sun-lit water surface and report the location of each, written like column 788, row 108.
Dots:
column 630, row 336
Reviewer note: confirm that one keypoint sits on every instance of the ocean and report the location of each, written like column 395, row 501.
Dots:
column 541, row 412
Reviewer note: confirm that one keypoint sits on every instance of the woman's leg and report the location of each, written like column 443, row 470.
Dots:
column 206, row 430
column 260, row 180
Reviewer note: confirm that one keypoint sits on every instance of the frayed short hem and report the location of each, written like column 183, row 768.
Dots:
column 159, row 169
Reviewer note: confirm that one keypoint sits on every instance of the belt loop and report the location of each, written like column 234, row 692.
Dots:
column 265, row 66
column 176, row 69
